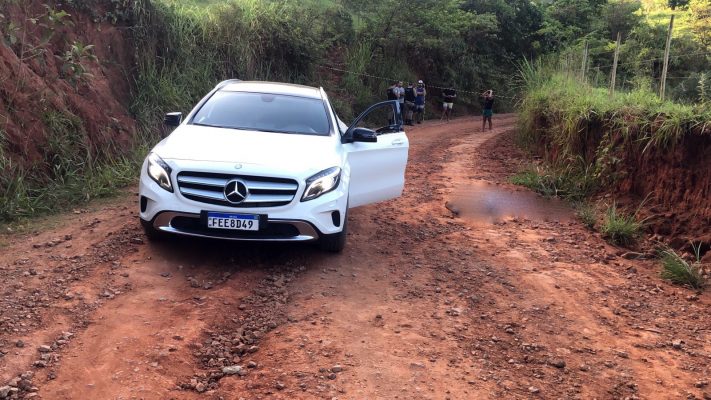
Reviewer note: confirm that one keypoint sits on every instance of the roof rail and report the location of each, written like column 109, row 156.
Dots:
column 226, row 82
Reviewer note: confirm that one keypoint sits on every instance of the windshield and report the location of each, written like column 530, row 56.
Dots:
column 264, row 112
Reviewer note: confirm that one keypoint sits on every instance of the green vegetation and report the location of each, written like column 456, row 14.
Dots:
column 70, row 172
column 587, row 214
column 582, row 128
column 621, row 228
column 681, row 272
column 570, row 183
column 302, row 41
column 570, row 25
column 576, row 124
column 73, row 62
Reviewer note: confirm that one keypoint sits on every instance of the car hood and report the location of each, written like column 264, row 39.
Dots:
column 276, row 150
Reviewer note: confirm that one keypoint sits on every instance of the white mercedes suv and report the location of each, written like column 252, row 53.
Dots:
column 266, row 161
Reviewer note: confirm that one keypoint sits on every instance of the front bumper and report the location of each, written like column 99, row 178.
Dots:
column 276, row 230
column 171, row 212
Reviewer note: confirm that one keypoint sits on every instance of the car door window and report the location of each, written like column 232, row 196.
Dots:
column 382, row 120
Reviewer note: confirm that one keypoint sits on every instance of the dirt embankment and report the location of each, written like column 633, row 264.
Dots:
column 678, row 182
column 671, row 180
column 52, row 83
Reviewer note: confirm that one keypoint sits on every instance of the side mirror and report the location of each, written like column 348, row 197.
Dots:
column 173, row 119
column 364, row 135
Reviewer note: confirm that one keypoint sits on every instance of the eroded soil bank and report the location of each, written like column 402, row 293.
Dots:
column 423, row 303
column 667, row 179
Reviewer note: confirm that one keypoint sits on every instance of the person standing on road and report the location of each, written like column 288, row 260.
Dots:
column 420, row 94
column 449, row 95
column 393, row 94
column 401, row 97
column 488, row 109
column 409, row 103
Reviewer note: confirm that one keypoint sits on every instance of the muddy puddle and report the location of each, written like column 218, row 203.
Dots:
column 481, row 202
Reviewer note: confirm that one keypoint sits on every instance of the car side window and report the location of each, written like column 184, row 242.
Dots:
column 382, row 120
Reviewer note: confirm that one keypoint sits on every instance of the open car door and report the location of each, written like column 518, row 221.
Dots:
column 376, row 147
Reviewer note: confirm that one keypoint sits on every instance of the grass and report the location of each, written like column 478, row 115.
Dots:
column 69, row 173
column 681, row 272
column 587, row 214
column 621, row 228
column 573, row 183
column 657, row 12
column 24, row 194
column 3, row 142
column 563, row 115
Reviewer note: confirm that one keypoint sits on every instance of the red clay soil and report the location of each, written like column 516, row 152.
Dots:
column 677, row 182
column 422, row 304
column 668, row 185
column 33, row 84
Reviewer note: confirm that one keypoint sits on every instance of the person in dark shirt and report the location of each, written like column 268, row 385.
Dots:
column 448, row 95
column 488, row 108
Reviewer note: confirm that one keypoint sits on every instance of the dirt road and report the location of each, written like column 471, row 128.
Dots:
column 464, row 288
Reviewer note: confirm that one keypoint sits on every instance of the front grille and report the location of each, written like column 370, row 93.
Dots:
column 207, row 187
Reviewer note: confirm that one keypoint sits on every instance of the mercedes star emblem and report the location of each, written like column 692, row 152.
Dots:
column 236, row 191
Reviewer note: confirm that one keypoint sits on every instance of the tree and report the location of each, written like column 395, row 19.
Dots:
column 519, row 22
column 701, row 20
column 619, row 16
column 567, row 21
column 673, row 4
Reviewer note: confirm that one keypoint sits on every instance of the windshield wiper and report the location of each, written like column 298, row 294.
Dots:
column 245, row 128
column 239, row 128
column 209, row 125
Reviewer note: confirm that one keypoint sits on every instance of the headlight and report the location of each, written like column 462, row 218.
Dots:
column 159, row 171
column 321, row 183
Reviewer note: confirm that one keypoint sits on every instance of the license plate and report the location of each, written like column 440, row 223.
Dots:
column 237, row 222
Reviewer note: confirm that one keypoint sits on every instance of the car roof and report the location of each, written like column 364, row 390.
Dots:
column 273, row 88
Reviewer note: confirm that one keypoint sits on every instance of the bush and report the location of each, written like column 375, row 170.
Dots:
column 621, row 228
column 679, row 271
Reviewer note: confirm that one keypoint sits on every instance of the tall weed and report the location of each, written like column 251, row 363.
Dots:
column 621, row 228
column 677, row 270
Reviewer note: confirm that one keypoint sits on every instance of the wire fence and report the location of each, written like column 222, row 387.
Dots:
column 633, row 72
column 390, row 80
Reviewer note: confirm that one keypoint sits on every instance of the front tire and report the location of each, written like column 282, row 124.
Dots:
column 335, row 242
column 152, row 233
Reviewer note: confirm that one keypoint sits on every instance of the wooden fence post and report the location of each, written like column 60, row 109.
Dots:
column 614, row 64
column 584, row 69
column 663, row 85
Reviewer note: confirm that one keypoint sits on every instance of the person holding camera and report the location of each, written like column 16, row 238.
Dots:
column 488, row 109
column 448, row 96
